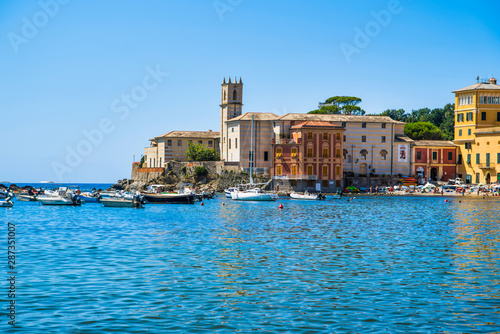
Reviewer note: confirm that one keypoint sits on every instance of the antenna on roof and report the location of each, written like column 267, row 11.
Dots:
column 478, row 78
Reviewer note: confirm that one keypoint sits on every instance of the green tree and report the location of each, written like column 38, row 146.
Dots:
column 396, row 114
column 346, row 105
column 447, row 126
column 198, row 152
column 423, row 131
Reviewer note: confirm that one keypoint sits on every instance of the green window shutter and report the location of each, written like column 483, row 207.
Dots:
column 487, row 160
column 468, row 158
column 477, row 158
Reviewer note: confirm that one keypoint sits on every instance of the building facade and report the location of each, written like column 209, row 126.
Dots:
column 371, row 144
column 312, row 158
column 477, row 132
column 434, row 160
column 231, row 107
column 173, row 146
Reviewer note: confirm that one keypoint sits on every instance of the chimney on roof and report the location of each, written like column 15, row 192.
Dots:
column 493, row 81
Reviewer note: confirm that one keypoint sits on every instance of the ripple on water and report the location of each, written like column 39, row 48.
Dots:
column 372, row 265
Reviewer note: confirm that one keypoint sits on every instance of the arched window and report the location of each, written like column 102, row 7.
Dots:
column 235, row 95
column 383, row 154
column 225, row 96
column 363, row 153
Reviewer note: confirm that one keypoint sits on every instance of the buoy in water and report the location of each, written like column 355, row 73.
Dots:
column 446, row 201
column 202, row 204
column 223, row 203
column 281, row 206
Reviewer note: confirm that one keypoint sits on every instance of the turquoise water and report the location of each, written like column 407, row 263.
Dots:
column 384, row 265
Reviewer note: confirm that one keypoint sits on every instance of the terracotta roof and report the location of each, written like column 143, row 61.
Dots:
column 441, row 143
column 315, row 124
column 403, row 138
column 479, row 86
column 338, row 118
column 191, row 134
column 257, row 116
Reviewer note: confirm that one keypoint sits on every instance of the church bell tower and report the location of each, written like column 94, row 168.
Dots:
column 230, row 107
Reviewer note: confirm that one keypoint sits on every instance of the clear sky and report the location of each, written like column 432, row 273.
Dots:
column 121, row 72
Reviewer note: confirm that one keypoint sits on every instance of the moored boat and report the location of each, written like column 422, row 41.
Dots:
column 169, row 198
column 7, row 203
column 64, row 197
column 254, row 194
column 304, row 196
column 137, row 201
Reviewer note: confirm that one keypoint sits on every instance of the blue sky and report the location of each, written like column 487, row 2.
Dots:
column 70, row 72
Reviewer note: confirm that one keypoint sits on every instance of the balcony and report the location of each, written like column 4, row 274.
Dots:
column 286, row 141
column 491, row 165
column 279, row 155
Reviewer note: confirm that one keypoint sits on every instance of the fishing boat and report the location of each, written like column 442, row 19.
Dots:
column 64, row 197
column 137, row 201
column 87, row 197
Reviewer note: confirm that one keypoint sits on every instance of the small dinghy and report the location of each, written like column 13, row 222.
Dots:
column 308, row 196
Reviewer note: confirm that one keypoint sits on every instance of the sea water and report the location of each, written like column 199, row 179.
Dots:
column 377, row 265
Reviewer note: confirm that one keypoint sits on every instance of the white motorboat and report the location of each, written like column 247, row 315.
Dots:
column 254, row 194
column 136, row 201
column 64, row 196
column 7, row 203
column 25, row 197
column 228, row 191
column 304, row 196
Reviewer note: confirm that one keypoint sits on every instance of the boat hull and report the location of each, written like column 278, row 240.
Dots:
column 120, row 203
column 170, row 198
column 87, row 199
column 6, row 204
column 25, row 198
column 57, row 201
column 304, row 197
column 241, row 196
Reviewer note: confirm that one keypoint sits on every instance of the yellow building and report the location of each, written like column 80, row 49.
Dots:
column 477, row 132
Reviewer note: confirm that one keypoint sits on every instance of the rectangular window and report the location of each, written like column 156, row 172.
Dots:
column 450, row 156
column 338, row 136
column 278, row 170
column 325, row 170
column 434, row 155
column 200, row 142
column 232, row 129
column 487, row 160
column 325, row 153
column 383, row 125
column 471, row 117
column 344, row 124
column 325, row 136
column 468, row 158
column 498, row 160
column 309, row 135
column 169, row 142
column 337, row 154
column 235, row 142
column 345, row 138
column 419, row 155
column 309, row 152
column 266, row 156
column 279, row 152
column 337, row 170
column 363, row 125
column 461, row 117
column 469, row 132
column 458, row 118
column 363, row 139
column 467, row 117
column 294, row 152
column 383, row 139
column 478, row 158
column 498, row 116
column 483, row 116
column 460, row 133
column 309, row 170
column 294, row 170
column 179, row 143
column 210, row 143
column 229, row 143
column 459, row 161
